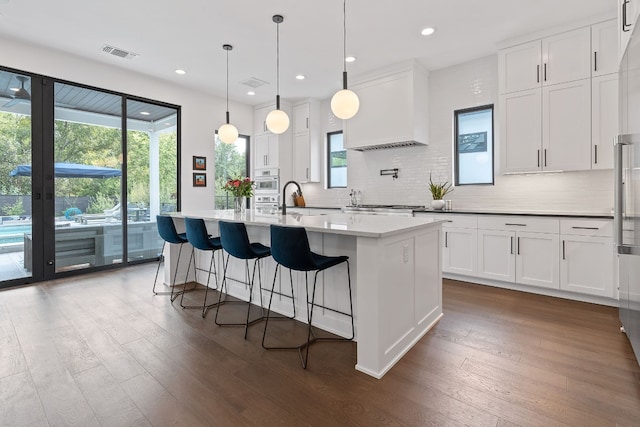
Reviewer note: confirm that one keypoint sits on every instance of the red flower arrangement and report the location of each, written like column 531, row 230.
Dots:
column 240, row 187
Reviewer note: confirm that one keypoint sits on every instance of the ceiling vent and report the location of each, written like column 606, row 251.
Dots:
column 120, row 53
column 254, row 82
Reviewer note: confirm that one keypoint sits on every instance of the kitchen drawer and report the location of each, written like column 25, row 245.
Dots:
column 458, row 220
column 587, row 227
column 519, row 223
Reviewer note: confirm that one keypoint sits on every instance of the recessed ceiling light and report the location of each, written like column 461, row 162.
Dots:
column 251, row 93
column 144, row 113
column 181, row 72
column 428, row 31
column 350, row 58
column 300, row 77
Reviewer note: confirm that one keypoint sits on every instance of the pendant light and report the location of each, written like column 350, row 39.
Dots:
column 227, row 133
column 277, row 120
column 345, row 103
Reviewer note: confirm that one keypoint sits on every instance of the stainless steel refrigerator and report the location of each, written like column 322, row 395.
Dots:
column 627, row 193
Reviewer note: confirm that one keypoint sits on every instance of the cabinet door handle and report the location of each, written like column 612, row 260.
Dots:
column 538, row 73
column 307, row 122
column 545, row 71
column 511, row 241
column 446, row 240
column 595, row 157
column 625, row 27
column 585, row 228
column 307, row 173
column 518, row 246
column 563, row 254
column 516, row 224
column 538, row 158
column 595, row 61
column 545, row 157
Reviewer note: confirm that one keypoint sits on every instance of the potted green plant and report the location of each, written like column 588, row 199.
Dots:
column 438, row 191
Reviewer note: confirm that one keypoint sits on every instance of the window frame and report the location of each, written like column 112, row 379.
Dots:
column 329, row 135
column 456, row 154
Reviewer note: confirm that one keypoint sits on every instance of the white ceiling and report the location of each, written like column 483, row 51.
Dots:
column 189, row 34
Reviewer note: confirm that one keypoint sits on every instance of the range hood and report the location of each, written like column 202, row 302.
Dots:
column 393, row 109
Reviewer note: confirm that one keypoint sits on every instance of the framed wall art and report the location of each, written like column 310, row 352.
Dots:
column 199, row 179
column 199, row 163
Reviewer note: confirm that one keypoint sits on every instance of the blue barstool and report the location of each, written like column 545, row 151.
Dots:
column 235, row 242
column 290, row 249
column 199, row 238
column 168, row 233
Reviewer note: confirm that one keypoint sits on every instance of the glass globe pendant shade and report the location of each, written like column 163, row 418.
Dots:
column 228, row 133
column 277, row 121
column 345, row 104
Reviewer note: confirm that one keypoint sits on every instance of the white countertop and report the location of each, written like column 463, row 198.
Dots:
column 335, row 223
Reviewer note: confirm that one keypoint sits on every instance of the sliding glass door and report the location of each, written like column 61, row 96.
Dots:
column 84, row 173
column 16, row 234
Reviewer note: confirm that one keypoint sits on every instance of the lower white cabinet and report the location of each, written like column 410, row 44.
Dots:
column 587, row 257
column 459, row 254
column 496, row 255
column 522, row 250
column 537, row 262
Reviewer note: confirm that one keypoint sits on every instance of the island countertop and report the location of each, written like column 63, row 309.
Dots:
column 335, row 223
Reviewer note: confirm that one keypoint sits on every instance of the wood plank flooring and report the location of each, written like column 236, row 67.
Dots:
column 102, row 350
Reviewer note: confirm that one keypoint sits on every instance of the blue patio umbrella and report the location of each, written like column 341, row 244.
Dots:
column 71, row 170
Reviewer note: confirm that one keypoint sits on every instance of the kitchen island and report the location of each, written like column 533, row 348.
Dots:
column 395, row 272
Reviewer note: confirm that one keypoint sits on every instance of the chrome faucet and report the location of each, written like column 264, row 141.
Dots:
column 353, row 195
column 284, row 198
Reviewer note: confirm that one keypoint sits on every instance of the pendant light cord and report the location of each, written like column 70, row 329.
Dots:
column 344, row 34
column 227, row 86
column 277, row 65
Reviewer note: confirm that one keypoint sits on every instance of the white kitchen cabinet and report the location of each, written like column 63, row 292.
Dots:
column 266, row 151
column 307, row 142
column 587, row 257
column 627, row 14
column 260, row 119
column 604, row 42
column 547, row 129
column 566, row 126
column 519, row 249
column 496, row 255
column 604, row 120
column 537, row 262
column 460, row 254
column 521, row 130
column 301, row 118
column 557, row 59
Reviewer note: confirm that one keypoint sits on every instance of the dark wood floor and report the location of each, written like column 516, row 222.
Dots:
column 102, row 350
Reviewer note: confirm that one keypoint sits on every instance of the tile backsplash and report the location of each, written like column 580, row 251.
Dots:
column 465, row 85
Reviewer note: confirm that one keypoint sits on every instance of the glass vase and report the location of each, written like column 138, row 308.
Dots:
column 239, row 204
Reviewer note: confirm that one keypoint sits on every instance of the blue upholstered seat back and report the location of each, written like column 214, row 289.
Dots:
column 234, row 239
column 198, row 235
column 167, row 230
column 290, row 248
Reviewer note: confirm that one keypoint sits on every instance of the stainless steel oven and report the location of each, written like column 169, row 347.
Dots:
column 267, row 181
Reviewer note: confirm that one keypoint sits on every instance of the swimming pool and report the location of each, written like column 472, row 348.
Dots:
column 13, row 233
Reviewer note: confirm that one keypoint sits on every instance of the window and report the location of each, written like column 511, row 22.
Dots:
column 337, row 161
column 473, row 145
column 231, row 161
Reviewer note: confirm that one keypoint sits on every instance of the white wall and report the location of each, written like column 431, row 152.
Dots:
column 201, row 113
column 465, row 85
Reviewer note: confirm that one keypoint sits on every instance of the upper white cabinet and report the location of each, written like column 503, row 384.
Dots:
column 393, row 108
column 549, row 118
column 307, row 142
column 604, row 55
column 260, row 120
column 561, row 58
column 604, row 120
column 628, row 11
column 587, row 257
column 566, row 126
column 267, row 151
